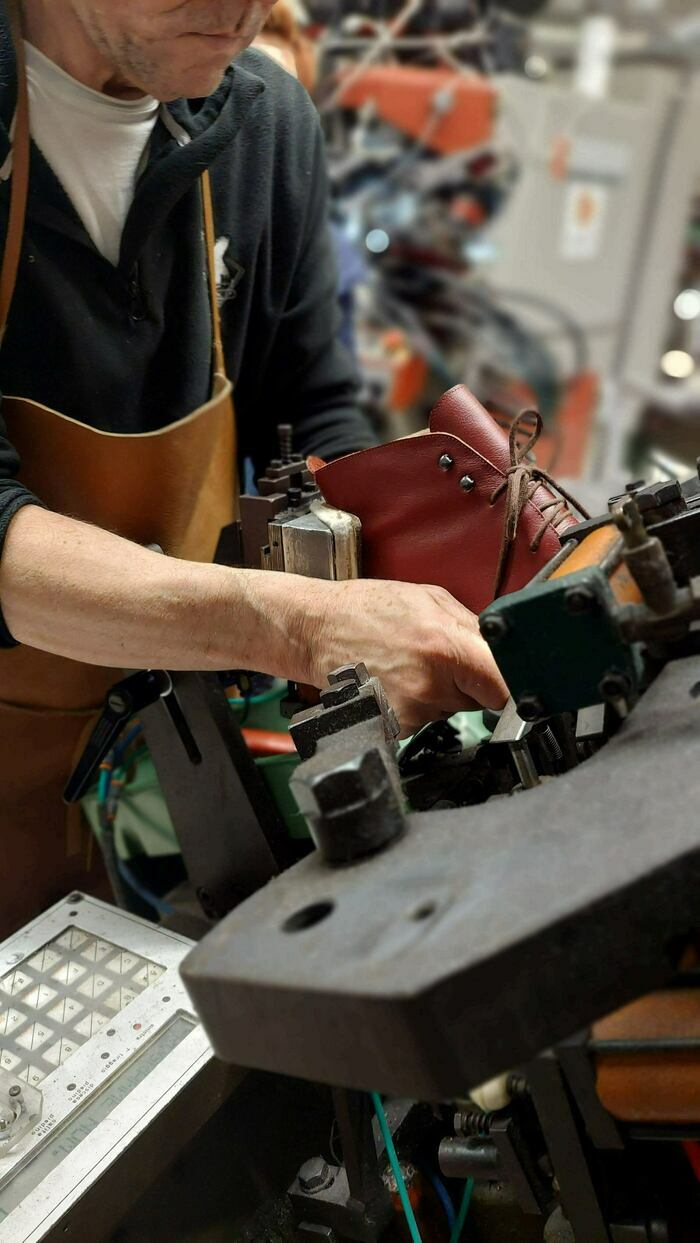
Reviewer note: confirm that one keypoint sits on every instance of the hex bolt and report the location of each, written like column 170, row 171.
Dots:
column 315, row 1175
column 445, row 462
column 494, row 627
column 467, row 484
column 579, row 599
column 354, row 781
column 667, row 491
column 530, row 708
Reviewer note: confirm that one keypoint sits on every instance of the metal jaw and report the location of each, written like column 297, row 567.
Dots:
column 348, row 785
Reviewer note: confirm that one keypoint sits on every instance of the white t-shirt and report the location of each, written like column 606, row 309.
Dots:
column 94, row 144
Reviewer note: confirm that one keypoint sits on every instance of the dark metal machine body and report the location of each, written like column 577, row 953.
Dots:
column 551, row 875
column 477, row 937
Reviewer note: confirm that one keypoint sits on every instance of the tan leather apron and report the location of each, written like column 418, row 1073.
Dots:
column 175, row 487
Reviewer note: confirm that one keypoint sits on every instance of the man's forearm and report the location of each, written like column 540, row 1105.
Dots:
column 80, row 592
column 83, row 593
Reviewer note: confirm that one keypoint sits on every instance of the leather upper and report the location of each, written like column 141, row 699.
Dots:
column 420, row 525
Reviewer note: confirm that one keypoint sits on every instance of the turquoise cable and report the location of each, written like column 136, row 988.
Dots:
column 463, row 1210
column 103, row 786
column 267, row 697
column 396, row 1168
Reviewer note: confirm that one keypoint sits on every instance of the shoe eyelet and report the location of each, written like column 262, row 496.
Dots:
column 445, row 462
column 467, row 484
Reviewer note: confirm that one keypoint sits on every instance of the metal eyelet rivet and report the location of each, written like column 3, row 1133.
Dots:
column 445, row 462
column 466, row 483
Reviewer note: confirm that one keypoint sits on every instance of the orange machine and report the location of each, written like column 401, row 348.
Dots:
column 446, row 110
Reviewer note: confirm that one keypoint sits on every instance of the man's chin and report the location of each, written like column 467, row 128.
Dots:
column 193, row 85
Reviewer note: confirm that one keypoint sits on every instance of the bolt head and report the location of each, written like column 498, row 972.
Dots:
column 354, row 782
column 494, row 627
column 445, row 462
column 530, row 708
column 668, row 491
column 315, row 1175
column 579, row 599
column 467, row 484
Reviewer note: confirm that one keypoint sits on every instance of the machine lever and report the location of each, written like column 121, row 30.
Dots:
column 122, row 702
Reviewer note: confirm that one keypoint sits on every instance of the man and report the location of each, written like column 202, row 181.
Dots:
column 109, row 344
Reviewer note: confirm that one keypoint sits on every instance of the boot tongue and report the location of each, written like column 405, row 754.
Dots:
column 460, row 414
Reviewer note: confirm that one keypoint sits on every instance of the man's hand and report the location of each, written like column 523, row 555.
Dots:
column 421, row 643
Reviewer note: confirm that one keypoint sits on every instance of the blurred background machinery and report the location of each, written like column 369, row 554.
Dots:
column 515, row 196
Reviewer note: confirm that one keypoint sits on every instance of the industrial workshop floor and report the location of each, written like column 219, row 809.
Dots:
column 228, row 1184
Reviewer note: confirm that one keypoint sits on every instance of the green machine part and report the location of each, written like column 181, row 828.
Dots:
column 559, row 646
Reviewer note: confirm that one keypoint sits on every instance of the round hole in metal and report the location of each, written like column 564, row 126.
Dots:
column 308, row 916
column 424, row 911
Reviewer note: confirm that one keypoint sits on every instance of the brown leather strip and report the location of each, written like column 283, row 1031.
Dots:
column 20, row 175
column 210, row 240
column 219, row 362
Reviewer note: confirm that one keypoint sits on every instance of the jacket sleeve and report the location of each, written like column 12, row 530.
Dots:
column 13, row 496
column 311, row 376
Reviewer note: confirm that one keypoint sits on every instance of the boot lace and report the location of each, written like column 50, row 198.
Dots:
column 522, row 480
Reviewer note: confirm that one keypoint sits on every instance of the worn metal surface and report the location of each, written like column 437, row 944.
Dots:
column 348, row 785
column 481, row 936
column 229, row 831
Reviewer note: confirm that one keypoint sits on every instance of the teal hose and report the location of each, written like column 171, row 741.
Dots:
column 463, row 1210
column 267, row 697
column 103, row 785
column 396, row 1168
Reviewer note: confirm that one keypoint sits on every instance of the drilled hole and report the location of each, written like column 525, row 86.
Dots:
column 308, row 916
column 424, row 911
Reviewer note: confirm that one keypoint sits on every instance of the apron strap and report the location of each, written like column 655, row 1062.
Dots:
column 210, row 242
column 20, row 176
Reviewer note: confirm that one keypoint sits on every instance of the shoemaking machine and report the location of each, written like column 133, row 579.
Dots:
column 488, row 950
column 476, row 927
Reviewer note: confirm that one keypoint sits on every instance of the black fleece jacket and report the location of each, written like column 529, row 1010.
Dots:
column 128, row 349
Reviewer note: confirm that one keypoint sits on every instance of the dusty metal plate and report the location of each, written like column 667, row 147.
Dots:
column 483, row 935
column 94, row 1019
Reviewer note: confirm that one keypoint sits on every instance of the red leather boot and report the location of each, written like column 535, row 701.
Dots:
column 460, row 507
